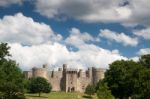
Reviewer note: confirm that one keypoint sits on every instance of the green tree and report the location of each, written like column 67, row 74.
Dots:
column 11, row 78
column 103, row 91
column 90, row 90
column 122, row 77
column 145, row 60
column 4, row 50
column 39, row 85
column 142, row 85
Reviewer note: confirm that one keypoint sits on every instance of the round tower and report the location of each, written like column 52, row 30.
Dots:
column 39, row 72
column 98, row 74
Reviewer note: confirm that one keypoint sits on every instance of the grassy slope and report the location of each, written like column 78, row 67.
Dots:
column 59, row 95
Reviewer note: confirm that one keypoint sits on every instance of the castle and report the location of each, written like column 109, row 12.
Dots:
column 66, row 79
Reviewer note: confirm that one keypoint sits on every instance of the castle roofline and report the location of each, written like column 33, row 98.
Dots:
column 71, row 69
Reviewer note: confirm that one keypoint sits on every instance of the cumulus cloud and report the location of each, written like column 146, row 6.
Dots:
column 33, row 44
column 37, row 55
column 145, row 33
column 128, row 12
column 4, row 3
column 57, row 54
column 78, row 39
column 136, row 58
column 25, row 30
column 144, row 51
column 118, row 37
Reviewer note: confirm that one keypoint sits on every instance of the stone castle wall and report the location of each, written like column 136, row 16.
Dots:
column 68, row 80
column 55, row 78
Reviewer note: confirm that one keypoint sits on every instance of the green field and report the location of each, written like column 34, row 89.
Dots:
column 60, row 95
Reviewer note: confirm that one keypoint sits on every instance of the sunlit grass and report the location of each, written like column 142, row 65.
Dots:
column 60, row 95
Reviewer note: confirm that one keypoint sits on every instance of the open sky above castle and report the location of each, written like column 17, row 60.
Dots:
column 81, row 33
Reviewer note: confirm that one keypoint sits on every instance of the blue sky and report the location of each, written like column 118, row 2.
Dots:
column 80, row 28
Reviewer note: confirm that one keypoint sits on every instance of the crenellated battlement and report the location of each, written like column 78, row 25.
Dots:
column 68, row 79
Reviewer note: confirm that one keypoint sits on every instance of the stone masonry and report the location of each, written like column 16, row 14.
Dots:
column 68, row 79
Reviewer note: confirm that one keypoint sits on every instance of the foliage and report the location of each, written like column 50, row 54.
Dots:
column 103, row 91
column 11, row 82
column 4, row 50
column 142, row 86
column 90, row 90
column 26, row 84
column 39, row 85
column 129, row 79
column 120, row 78
column 145, row 60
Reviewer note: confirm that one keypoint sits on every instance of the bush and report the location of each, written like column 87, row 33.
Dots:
column 103, row 92
column 90, row 90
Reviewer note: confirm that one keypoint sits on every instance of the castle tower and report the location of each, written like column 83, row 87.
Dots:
column 53, row 74
column 98, row 74
column 45, row 66
column 80, row 73
column 40, row 72
column 64, row 67
column 71, row 80
column 64, row 78
column 89, row 72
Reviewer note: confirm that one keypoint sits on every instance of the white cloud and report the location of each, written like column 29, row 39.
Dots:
column 37, row 55
column 118, row 37
column 57, row 54
column 134, row 12
column 145, row 33
column 144, row 51
column 25, row 30
column 79, row 39
column 4, row 3
column 136, row 58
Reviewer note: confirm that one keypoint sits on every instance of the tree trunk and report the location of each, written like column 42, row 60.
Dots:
column 39, row 94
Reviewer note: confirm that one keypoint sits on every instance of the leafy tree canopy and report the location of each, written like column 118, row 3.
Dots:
column 11, row 78
column 4, row 50
column 121, row 77
column 39, row 85
column 103, row 91
column 145, row 60
column 90, row 90
column 129, row 79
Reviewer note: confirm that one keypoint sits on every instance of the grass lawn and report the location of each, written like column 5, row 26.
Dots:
column 60, row 95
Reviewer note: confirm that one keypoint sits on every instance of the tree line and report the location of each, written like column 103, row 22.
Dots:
column 125, row 79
